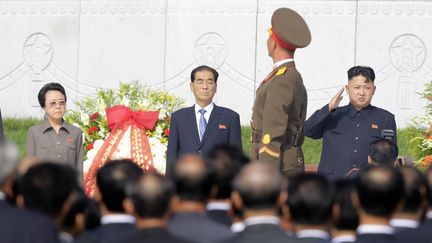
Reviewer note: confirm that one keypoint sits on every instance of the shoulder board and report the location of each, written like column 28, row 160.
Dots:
column 281, row 71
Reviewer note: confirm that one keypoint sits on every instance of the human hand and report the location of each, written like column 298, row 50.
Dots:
column 334, row 102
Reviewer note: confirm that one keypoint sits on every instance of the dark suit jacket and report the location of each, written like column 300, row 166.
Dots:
column 154, row 235
column 22, row 226
column 346, row 135
column 198, row 227
column 1, row 128
column 376, row 238
column 260, row 233
column 220, row 216
column 223, row 127
column 108, row 233
column 418, row 235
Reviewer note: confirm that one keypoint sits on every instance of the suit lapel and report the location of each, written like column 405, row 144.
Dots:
column 211, row 124
column 192, row 124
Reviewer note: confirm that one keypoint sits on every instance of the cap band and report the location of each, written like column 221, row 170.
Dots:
column 287, row 45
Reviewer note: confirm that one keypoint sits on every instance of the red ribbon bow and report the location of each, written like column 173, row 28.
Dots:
column 119, row 118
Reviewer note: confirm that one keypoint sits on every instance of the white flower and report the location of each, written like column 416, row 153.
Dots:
column 84, row 118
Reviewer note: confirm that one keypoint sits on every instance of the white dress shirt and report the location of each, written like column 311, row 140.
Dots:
column 375, row 229
column 208, row 110
column 118, row 218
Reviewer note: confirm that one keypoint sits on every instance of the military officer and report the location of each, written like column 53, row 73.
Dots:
column 347, row 131
column 280, row 105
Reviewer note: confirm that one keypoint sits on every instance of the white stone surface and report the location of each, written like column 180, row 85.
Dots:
column 85, row 44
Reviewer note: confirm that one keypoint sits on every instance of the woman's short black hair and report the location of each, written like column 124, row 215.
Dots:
column 47, row 87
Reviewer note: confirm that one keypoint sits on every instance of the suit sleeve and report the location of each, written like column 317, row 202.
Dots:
column 235, row 132
column 173, row 145
column 392, row 125
column 314, row 125
column 80, row 157
column 30, row 144
column 1, row 128
column 275, row 117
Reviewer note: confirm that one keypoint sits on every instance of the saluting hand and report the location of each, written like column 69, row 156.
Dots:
column 334, row 102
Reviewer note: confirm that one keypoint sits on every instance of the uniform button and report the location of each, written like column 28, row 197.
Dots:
column 357, row 125
column 355, row 150
column 58, row 143
column 199, row 151
column 356, row 138
column 59, row 156
column 354, row 165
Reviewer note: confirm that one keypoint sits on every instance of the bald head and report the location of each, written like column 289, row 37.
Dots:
column 259, row 185
column 193, row 178
column 151, row 196
column 380, row 189
column 9, row 160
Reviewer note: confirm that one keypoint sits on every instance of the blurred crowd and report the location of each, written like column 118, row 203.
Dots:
column 222, row 197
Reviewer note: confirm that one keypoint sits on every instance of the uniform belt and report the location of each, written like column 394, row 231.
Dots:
column 287, row 139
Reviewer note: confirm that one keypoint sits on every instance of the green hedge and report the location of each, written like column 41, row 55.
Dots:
column 16, row 130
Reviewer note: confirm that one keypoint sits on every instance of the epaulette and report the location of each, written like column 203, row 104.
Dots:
column 281, row 71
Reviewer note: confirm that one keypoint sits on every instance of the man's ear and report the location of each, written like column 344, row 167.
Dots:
column 236, row 200
column 20, row 201
column 97, row 195
column 129, row 206
column 355, row 200
column 283, row 196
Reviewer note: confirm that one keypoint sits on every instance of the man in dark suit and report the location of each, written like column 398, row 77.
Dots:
column 258, row 191
column 379, row 191
column 1, row 128
column 310, row 202
column 149, row 199
column 194, row 179
column 227, row 161
column 347, row 131
column 198, row 128
column 406, row 219
column 111, row 181
column 279, row 110
column 345, row 216
column 17, row 225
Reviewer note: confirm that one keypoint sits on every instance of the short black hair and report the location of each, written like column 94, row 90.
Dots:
column 379, row 189
column 428, row 175
column 151, row 195
column 48, row 87
column 46, row 186
column 204, row 68
column 227, row 161
column 193, row 178
column 259, row 185
column 81, row 204
column 348, row 218
column 415, row 183
column 383, row 152
column 112, row 179
column 364, row 71
column 310, row 199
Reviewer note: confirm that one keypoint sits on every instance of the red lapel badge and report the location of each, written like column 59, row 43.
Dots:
column 69, row 140
column 374, row 126
column 222, row 126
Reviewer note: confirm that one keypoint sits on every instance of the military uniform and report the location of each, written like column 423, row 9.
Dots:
column 279, row 109
column 346, row 134
column 277, row 120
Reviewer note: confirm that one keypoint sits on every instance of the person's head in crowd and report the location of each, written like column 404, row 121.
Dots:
column 360, row 87
column 83, row 214
column 382, row 152
column 414, row 199
column 46, row 187
column 149, row 200
column 258, row 189
column 310, row 201
column 204, row 84
column 111, row 181
column 52, row 98
column 345, row 216
column 9, row 161
column 379, row 190
column 193, row 179
column 227, row 161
